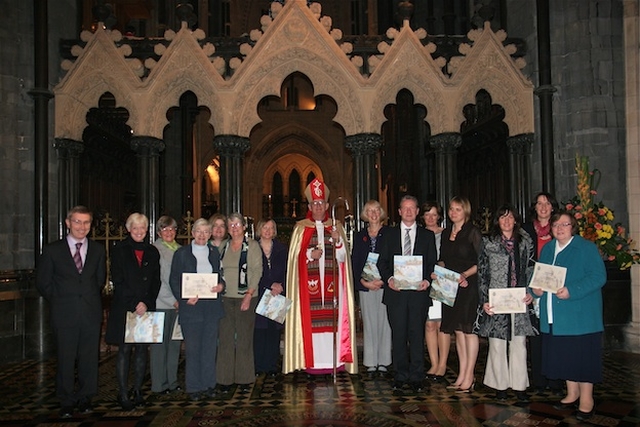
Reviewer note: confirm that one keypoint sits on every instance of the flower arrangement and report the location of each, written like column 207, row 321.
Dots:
column 596, row 220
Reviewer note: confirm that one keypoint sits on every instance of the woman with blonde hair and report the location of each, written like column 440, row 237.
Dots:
column 459, row 249
column 135, row 273
column 266, row 334
column 377, row 332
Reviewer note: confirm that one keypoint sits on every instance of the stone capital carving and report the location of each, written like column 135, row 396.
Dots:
column 68, row 147
column 363, row 143
column 446, row 141
column 520, row 144
column 231, row 145
column 147, row 145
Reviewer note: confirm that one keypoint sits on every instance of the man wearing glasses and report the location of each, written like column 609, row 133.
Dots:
column 70, row 276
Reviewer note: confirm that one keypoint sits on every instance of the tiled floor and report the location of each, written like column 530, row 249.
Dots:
column 27, row 398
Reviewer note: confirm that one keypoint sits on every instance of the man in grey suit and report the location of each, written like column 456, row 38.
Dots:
column 70, row 276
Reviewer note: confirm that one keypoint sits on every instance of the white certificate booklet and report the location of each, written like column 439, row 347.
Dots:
column 507, row 300
column 407, row 271
column 199, row 285
column 445, row 287
column 548, row 277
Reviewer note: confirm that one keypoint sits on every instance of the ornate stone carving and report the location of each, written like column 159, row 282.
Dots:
column 520, row 144
column 363, row 143
column 147, row 145
column 231, row 145
column 68, row 147
column 446, row 142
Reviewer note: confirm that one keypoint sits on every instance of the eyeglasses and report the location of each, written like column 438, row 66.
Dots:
column 318, row 203
column 202, row 231
column 561, row 224
column 168, row 229
column 78, row 222
column 235, row 225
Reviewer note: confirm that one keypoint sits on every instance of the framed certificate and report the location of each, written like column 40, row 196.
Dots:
column 548, row 277
column 199, row 285
column 507, row 300
column 407, row 271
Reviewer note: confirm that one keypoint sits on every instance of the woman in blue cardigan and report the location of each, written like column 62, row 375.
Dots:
column 571, row 319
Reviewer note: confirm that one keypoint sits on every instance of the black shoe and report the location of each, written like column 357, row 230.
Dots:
column 195, row 397
column 417, row 387
column 66, row 412
column 178, row 389
column 224, row 388
column 501, row 395
column 397, row 387
column 584, row 416
column 138, row 399
column 561, row 406
column 522, row 397
column 125, row 403
column 84, row 406
column 210, row 393
column 245, row 387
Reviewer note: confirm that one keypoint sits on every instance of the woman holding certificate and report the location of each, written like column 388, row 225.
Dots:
column 199, row 316
column 368, row 283
column 242, row 263
column 266, row 335
column 437, row 343
column 571, row 317
column 459, row 249
column 503, row 267
column 135, row 272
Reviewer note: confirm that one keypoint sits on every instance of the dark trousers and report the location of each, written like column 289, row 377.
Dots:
column 201, row 345
column 407, row 316
column 266, row 348
column 78, row 346
column 537, row 379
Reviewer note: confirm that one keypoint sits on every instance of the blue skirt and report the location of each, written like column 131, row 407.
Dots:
column 574, row 358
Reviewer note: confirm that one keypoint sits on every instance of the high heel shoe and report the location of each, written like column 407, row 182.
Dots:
column 584, row 416
column 561, row 406
column 467, row 390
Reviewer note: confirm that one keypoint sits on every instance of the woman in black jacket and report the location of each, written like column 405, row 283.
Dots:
column 135, row 273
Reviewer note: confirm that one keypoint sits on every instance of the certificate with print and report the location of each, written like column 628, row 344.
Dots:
column 548, row 277
column 147, row 328
column 370, row 271
column 199, row 285
column 507, row 300
column 445, row 287
column 274, row 307
column 176, row 334
column 407, row 271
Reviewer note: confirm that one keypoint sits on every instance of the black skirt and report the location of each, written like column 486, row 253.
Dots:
column 573, row 358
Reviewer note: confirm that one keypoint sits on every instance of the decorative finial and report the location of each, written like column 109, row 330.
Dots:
column 184, row 12
column 101, row 12
column 405, row 10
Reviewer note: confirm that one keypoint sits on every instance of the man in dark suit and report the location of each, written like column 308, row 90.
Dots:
column 407, row 309
column 70, row 275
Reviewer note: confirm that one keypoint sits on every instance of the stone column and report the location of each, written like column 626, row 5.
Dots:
column 231, row 149
column 148, row 151
column 446, row 145
column 519, row 171
column 363, row 147
column 69, row 152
